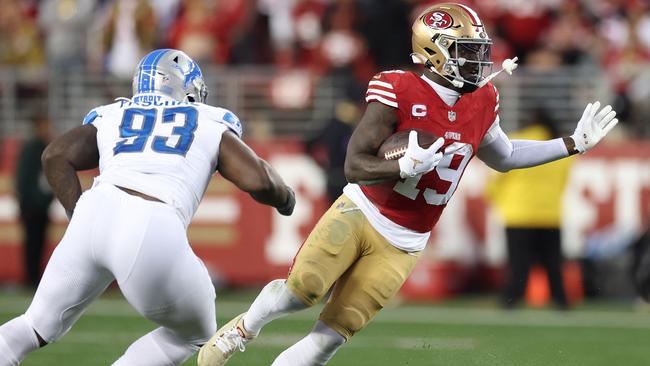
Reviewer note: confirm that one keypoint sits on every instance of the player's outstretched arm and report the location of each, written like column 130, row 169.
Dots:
column 361, row 162
column 239, row 164
column 503, row 154
column 73, row 151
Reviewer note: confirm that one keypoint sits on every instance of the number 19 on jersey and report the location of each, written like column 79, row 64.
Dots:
column 445, row 171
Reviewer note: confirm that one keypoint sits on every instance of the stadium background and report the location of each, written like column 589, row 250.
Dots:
column 295, row 72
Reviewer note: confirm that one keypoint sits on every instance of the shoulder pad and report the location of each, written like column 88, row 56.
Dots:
column 393, row 77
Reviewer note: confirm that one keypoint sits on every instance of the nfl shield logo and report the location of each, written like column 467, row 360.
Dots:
column 451, row 115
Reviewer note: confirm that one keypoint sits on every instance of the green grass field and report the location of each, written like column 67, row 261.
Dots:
column 460, row 332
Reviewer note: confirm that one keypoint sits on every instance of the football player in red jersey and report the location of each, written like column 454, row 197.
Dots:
column 365, row 246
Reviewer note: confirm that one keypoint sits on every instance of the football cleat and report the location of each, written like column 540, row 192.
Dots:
column 230, row 338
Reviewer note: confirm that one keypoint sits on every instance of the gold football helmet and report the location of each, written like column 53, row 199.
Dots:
column 450, row 40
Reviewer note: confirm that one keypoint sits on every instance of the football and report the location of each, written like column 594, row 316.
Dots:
column 395, row 145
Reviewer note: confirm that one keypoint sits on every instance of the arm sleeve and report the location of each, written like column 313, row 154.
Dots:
column 502, row 154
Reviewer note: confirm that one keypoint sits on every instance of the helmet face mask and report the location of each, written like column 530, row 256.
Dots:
column 193, row 84
column 469, row 61
column 202, row 93
column 450, row 40
column 170, row 72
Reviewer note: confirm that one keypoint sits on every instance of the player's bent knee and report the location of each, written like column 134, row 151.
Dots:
column 189, row 326
column 190, row 332
column 159, row 347
column 345, row 330
column 347, row 322
column 308, row 288
column 47, row 327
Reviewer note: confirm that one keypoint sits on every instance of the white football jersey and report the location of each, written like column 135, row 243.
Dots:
column 161, row 147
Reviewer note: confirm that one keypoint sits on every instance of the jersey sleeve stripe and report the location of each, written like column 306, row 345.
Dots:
column 90, row 117
column 382, row 92
column 389, row 103
column 381, row 84
column 496, row 108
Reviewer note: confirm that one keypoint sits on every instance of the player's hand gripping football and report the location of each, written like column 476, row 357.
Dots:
column 416, row 160
column 593, row 126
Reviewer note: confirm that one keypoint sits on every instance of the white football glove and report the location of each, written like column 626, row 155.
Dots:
column 593, row 126
column 417, row 160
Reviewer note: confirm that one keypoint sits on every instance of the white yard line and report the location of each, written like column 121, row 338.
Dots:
column 522, row 318
column 285, row 339
column 406, row 315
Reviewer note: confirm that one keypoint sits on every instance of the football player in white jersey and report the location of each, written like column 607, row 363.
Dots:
column 156, row 153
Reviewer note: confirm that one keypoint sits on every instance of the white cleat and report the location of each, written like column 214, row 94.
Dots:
column 228, row 339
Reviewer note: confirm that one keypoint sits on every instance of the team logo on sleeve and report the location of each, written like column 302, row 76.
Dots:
column 438, row 20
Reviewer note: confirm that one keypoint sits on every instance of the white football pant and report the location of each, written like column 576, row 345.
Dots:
column 143, row 246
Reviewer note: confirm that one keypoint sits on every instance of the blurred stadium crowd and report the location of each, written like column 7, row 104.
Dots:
column 353, row 38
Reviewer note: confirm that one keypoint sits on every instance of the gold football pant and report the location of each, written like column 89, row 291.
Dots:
column 344, row 250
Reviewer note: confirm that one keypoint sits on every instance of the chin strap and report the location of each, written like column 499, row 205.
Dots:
column 508, row 65
column 456, row 83
column 419, row 59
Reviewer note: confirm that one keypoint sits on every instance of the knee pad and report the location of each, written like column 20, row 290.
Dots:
column 346, row 322
column 48, row 326
column 308, row 286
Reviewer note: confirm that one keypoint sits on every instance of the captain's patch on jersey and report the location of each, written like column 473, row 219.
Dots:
column 419, row 110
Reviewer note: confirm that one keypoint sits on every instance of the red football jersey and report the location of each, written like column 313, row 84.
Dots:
column 417, row 203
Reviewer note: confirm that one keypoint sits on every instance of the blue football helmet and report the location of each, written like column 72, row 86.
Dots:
column 170, row 72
